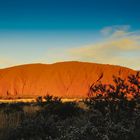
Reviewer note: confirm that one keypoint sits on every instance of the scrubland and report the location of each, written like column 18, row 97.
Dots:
column 110, row 112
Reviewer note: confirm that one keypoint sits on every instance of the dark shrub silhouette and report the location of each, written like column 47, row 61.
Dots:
column 39, row 100
column 115, row 99
column 54, row 105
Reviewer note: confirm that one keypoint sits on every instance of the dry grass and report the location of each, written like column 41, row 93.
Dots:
column 17, row 100
column 31, row 109
column 9, row 122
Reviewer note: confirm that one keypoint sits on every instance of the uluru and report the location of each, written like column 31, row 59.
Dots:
column 65, row 79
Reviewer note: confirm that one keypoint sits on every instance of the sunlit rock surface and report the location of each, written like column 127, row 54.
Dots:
column 65, row 79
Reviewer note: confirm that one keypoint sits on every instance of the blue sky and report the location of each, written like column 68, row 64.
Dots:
column 47, row 31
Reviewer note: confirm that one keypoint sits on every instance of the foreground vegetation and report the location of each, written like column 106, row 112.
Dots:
column 109, row 113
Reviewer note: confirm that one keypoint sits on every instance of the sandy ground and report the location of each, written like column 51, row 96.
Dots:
column 33, row 100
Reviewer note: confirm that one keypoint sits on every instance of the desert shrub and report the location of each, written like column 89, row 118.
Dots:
column 119, row 114
column 63, row 110
column 119, row 132
column 114, row 99
column 37, row 128
column 51, row 99
column 39, row 100
column 11, row 108
column 110, row 115
column 54, row 106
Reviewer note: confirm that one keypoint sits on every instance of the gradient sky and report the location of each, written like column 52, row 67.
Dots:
column 47, row 31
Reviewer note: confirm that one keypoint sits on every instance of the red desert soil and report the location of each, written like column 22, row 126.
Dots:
column 65, row 79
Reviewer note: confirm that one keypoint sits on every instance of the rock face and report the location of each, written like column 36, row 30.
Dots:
column 65, row 79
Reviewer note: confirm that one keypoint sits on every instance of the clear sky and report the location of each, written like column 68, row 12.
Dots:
column 47, row 31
